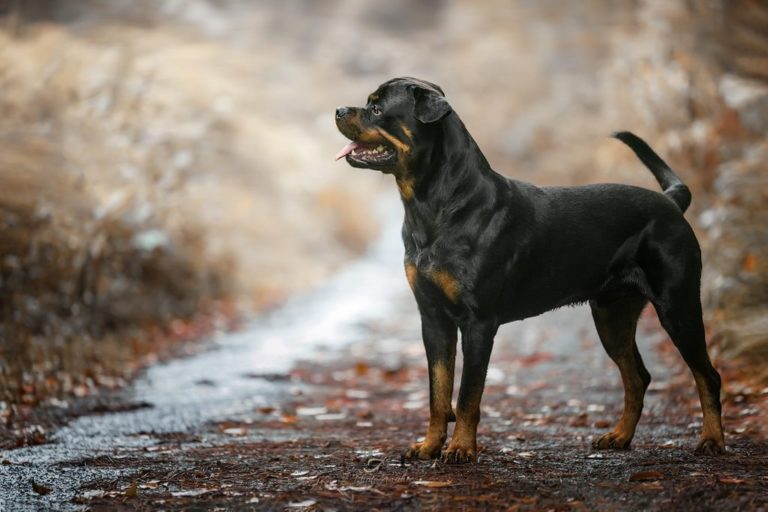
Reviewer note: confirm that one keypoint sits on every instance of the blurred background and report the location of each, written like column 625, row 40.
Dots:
column 166, row 167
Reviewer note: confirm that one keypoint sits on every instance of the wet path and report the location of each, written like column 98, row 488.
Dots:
column 311, row 406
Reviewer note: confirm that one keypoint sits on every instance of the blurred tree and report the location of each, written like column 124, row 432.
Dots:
column 733, row 35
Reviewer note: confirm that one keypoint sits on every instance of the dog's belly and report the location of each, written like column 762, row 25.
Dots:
column 519, row 306
column 544, row 285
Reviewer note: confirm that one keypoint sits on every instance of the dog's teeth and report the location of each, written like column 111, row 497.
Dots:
column 379, row 148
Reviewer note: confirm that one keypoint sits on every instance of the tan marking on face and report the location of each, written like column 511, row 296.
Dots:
column 411, row 273
column 447, row 283
column 401, row 147
column 406, row 131
column 370, row 136
column 373, row 98
column 405, row 185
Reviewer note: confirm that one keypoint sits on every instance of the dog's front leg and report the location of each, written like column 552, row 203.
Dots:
column 439, row 335
column 476, row 345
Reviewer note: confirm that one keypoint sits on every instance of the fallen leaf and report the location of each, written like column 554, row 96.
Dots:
column 361, row 368
column 602, row 424
column 535, row 358
column 731, row 480
column 646, row 476
column 750, row 263
column 331, row 416
column 190, row 492
column 580, row 420
column 301, row 504
column 132, row 490
column 299, row 473
column 311, row 411
column 432, row 483
column 40, row 488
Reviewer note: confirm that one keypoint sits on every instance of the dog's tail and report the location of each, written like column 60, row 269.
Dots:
column 672, row 185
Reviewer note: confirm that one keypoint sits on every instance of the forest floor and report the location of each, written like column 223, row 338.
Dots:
column 311, row 406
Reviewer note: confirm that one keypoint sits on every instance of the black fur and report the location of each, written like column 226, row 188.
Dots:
column 511, row 250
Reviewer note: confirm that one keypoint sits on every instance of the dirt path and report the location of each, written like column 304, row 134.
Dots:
column 310, row 408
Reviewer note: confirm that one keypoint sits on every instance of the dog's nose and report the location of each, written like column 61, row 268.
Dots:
column 341, row 112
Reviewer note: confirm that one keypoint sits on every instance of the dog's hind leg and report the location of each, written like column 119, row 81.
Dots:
column 680, row 315
column 616, row 324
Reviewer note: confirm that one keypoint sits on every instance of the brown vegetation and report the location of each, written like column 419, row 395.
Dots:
column 155, row 159
column 138, row 188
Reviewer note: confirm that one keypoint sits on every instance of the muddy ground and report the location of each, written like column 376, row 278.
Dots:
column 310, row 407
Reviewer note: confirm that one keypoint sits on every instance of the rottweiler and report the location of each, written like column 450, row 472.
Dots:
column 482, row 250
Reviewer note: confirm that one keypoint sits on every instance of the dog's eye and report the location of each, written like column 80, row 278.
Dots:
column 376, row 110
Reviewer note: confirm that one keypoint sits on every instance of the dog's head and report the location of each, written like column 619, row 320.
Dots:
column 399, row 114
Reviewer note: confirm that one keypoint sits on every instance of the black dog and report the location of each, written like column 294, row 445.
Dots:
column 482, row 250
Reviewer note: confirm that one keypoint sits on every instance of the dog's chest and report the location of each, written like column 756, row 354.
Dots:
column 434, row 270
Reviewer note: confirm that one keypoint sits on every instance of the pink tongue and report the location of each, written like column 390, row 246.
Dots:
column 346, row 150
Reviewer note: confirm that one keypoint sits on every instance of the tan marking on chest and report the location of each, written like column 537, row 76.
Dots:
column 447, row 283
column 411, row 272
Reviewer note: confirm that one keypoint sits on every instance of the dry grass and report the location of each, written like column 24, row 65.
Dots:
column 133, row 194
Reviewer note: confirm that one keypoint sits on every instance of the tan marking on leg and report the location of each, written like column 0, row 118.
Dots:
column 442, row 382
column 712, row 428
column 634, row 392
column 440, row 405
column 616, row 327
column 463, row 444
column 411, row 273
column 440, row 412
column 447, row 283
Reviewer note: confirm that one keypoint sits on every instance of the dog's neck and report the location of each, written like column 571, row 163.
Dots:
column 454, row 175
column 452, row 162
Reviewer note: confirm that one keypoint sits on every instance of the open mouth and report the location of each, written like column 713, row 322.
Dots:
column 374, row 153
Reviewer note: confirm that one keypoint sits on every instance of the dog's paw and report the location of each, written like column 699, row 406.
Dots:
column 423, row 450
column 612, row 441
column 708, row 446
column 457, row 453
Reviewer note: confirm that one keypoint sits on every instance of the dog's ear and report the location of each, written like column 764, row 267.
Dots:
column 429, row 106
